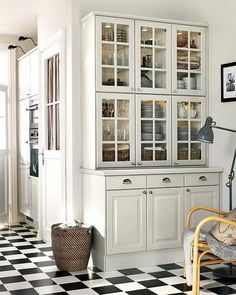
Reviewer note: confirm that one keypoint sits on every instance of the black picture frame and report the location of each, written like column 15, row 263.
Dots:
column 228, row 82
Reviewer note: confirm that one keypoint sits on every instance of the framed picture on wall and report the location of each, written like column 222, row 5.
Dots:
column 228, row 86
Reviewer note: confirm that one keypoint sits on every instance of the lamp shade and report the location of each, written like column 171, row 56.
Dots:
column 205, row 134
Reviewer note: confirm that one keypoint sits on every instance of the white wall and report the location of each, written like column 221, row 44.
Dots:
column 220, row 16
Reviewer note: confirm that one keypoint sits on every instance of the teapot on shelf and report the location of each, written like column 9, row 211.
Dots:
column 182, row 110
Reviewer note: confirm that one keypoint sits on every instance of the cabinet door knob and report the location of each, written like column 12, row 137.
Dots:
column 150, row 192
column 133, row 164
column 202, row 178
column 176, row 163
column 188, row 190
column 139, row 163
column 144, row 192
column 166, row 180
column 127, row 181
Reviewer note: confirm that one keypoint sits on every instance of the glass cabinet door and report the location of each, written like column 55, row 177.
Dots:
column 188, row 118
column 153, row 130
column 188, row 60
column 115, row 54
column 115, row 121
column 153, row 57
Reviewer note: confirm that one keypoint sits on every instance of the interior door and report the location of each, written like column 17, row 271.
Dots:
column 52, row 177
column 3, row 156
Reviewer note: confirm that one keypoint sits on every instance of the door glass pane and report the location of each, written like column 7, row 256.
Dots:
column 182, row 151
column 108, row 130
column 195, row 126
column 122, row 33
column 160, row 152
column 195, row 110
column 147, row 152
column 182, row 80
column 122, row 108
column 122, row 77
column 182, row 134
column 123, row 130
column 123, row 55
column 108, row 152
column 146, row 57
column 51, row 127
column 108, row 76
column 108, row 108
column 195, row 151
column 160, row 79
column 182, row 110
column 182, row 38
column 195, row 60
column 57, row 126
column 107, row 32
column 160, row 37
column 107, row 54
column 147, row 109
column 146, row 35
column 160, row 58
column 123, row 152
column 146, row 79
column 182, row 60
column 160, row 109
column 195, row 81
column 195, row 40
column 147, row 130
column 160, row 130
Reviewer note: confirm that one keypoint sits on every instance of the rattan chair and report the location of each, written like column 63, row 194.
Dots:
column 200, row 249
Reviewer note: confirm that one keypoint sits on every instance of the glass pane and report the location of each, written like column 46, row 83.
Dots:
column 122, row 77
column 123, row 151
column 107, row 54
column 195, row 81
column 182, row 134
column 182, row 151
column 122, row 108
column 160, row 109
column 108, row 130
column 195, row 126
column 57, row 126
column 160, row 152
column 195, row 110
column 195, row 60
column 147, row 130
column 108, row 152
column 146, row 57
column 108, row 77
column 147, row 152
column 182, row 60
column 160, row 58
column 56, row 77
column 196, row 151
column 122, row 33
column 107, row 32
column 195, row 40
column 182, row 38
column 123, row 130
column 181, row 80
column 123, row 55
column 160, row 130
column 146, row 35
column 146, row 79
column 108, row 108
column 182, row 110
column 50, row 128
column 147, row 109
column 160, row 37
column 160, row 79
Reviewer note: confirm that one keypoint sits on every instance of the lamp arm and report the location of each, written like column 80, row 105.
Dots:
column 223, row 128
column 32, row 40
column 229, row 183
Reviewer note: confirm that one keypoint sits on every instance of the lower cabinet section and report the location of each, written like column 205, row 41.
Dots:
column 139, row 219
column 28, row 193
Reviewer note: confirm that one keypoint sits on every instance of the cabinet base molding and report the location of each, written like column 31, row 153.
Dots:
column 137, row 259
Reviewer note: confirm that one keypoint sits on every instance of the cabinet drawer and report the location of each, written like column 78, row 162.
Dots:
column 126, row 182
column 202, row 179
column 165, row 180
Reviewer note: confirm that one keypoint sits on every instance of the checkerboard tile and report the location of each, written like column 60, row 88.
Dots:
column 27, row 267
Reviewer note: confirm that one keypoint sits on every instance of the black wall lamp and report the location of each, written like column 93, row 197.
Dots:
column 11, row 47
column 23, row 38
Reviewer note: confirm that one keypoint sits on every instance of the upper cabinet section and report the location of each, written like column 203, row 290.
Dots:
column 115, row 54
column 153, row 62
column 188, row 59
column 145, row 56
column 28, row 73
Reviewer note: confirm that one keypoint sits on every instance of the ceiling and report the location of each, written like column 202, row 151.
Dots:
column 19, row 16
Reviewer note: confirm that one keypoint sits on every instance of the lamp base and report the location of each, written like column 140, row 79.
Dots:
column 228, row 271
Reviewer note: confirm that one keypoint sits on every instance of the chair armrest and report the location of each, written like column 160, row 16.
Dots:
column 203, row 208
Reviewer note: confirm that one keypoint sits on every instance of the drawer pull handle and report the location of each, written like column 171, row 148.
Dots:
column 127, row 181
column 202, row 178
column 166, row 180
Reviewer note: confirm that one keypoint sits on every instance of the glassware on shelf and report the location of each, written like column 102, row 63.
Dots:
column 123, row 108
column 108, row 130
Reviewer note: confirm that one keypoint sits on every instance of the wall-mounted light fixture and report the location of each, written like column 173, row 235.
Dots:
column 23, row 38
column 11, row 47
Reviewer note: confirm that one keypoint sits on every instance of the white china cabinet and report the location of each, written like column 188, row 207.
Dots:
column 188, row 64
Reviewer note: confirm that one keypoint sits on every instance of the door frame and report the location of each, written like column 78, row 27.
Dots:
column 55, row 46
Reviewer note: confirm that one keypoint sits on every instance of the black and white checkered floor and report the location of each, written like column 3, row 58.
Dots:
column 27, row 267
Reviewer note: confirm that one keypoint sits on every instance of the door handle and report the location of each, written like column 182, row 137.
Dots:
column 43, row 160
column 202, row 178
column 166, row 180
column 127, row 181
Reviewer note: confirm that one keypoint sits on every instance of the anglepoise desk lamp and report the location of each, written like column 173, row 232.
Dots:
column 206, row 134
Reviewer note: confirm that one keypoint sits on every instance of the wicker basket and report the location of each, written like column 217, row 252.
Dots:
column 195, row 154
column 71, row 247
column 147, row 155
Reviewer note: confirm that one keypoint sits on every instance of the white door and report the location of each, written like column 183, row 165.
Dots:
column 23, row 180
column 33, row 193
column 126, row 221
column 201, row 196
column 3, row 156
column 52, row 144
column 164, row 218
column 23, row 132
